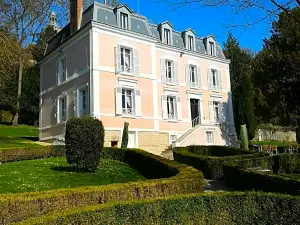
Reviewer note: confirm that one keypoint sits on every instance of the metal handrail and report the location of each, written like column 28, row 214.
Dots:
column 196, row 121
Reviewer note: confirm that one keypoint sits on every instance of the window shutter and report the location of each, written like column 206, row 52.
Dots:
column 198, row 77
column 211, row 111
column 118, row 100
column 209, row 79
column 187, row 74
column 179, row 109
column 163, row 70
column 76, row 105
column 176, row 72
column 136, row 61
column 220, row 80
column 138, row 102
column 118, row 58
column 164, row 107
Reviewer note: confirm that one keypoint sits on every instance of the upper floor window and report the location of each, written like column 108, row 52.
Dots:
column 126, row 60
column 61, row 70
column 124, row 20
column 127, row 102
column 190, row 42
column 193, row 78
column 211, row 48
column 214, row 80
column 216, row 111
column 167, row 36
column 83, row 101
column 171, row 106
column 61, row 110
column 169, row 72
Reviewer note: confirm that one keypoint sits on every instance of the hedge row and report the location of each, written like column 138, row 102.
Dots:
column 211, row 166
column 238, row 175
column 18, row 154
column 216, row 150
column 178, row 179
column 207, row 209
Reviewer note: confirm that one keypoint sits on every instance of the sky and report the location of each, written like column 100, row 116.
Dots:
column 205, row 21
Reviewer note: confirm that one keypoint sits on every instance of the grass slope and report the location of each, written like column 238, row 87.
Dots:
column 272, row 143
column 14, row 137
column 53, row 173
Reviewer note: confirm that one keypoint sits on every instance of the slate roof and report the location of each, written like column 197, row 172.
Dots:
column 139, row 24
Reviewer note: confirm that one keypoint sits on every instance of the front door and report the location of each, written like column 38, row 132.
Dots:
column 195, row 111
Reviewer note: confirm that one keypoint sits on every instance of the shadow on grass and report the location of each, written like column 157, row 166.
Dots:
column 33, row 138
column 63, row 169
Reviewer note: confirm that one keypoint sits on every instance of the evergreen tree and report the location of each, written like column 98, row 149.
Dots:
column 241, row 85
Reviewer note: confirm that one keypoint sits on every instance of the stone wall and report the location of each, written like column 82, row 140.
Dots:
column 153, row 142
column 112, row 136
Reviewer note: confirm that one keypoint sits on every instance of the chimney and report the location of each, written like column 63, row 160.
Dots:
column 76, row 9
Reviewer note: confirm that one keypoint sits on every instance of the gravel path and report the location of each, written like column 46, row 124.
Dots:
column 216, row 185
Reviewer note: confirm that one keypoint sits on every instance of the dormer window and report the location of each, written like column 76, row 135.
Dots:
column 124, row 20
column 167, row 36
column 211, row 48
column 190, row 42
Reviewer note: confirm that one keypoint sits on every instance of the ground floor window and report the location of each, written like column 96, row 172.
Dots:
column 83, row 101
column 127, row 101
column 171, row 106
column 209, row 137
column 62, row 104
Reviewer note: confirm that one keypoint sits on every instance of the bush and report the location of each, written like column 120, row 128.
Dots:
column 215, row 150
column 177, row 179
column 298, row 134
column 18, row 154
column 238, row 175
column 205, row 209
column 84, row 138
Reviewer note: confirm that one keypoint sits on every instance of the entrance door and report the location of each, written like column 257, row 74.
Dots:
column 131, row 140
column 195, row 111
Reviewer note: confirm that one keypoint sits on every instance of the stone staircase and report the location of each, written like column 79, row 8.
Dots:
column 188, row 133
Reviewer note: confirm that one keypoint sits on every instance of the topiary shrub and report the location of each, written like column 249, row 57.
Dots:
column 125, row 136
column 84, row 139
column 244, row 137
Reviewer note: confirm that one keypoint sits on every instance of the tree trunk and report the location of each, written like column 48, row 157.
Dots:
column 16, row 117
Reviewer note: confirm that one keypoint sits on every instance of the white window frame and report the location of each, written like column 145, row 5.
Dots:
column 126, row 69
column 175, row 114
column 124, row 20
column 216, row 116
column 133, row 108
column 212, row 136
column 167, row 36
column 191, row 67
column 58, row 113
column 60, row 71
column 190, row 42
column 214, row 74
column 172, row 79
column 211, row 48
column 79, row 89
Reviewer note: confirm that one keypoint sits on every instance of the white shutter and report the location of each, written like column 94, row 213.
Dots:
column 75, row 104
column 176, row 72
column 163, row 70
column 118, row 58
column 187, row 74
column 198, row 77
column 138, row 102
column 136, row 61
column 211, row 111
column 179, row 108
column 209, row 79
column 220, row 80
column 164, row 107
column 118, row 100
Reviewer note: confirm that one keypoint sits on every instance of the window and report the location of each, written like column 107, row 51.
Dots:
column 126, row 60
column 167, row 36
column 62, row 70
column 190, row 42
column 127, row 102
column 209, row 138
column 171, row 107
column 193, row 81
column 214, row 79
column 83, row 101
column 211, row 48
column 124, row 20
column 169, row 72
column 216, row 111
column 173, row 138
column 62, row 103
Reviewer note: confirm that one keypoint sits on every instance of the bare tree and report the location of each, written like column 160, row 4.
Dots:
column 23, row 20
column 270, row 8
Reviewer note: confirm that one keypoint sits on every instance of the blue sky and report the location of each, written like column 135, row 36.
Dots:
column 205, row 21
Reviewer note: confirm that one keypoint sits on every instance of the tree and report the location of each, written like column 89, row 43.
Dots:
column 24, row 20
column 268, row 9
column 241, row 85
column 125, row 136
column 277, row 73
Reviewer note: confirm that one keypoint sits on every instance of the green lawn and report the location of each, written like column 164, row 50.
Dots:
column 53, row 173
column 13, row 137
column 272, row 143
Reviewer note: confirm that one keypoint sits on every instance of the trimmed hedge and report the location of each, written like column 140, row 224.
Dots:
column 178, row 179
column 204, row 158
column 207, row 209
column 238, row 175
column 19, row 154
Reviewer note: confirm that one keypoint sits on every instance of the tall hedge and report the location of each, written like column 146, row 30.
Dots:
column 84, row 140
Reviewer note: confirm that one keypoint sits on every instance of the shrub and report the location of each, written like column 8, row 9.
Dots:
column 244, row 137
column 238, row 175
column 84, row 138
column 125, row 136
column 298, row 134
column 18, row 154
column 215, row 150
column 211, row 166
column 205, row 209
column 178, row 179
